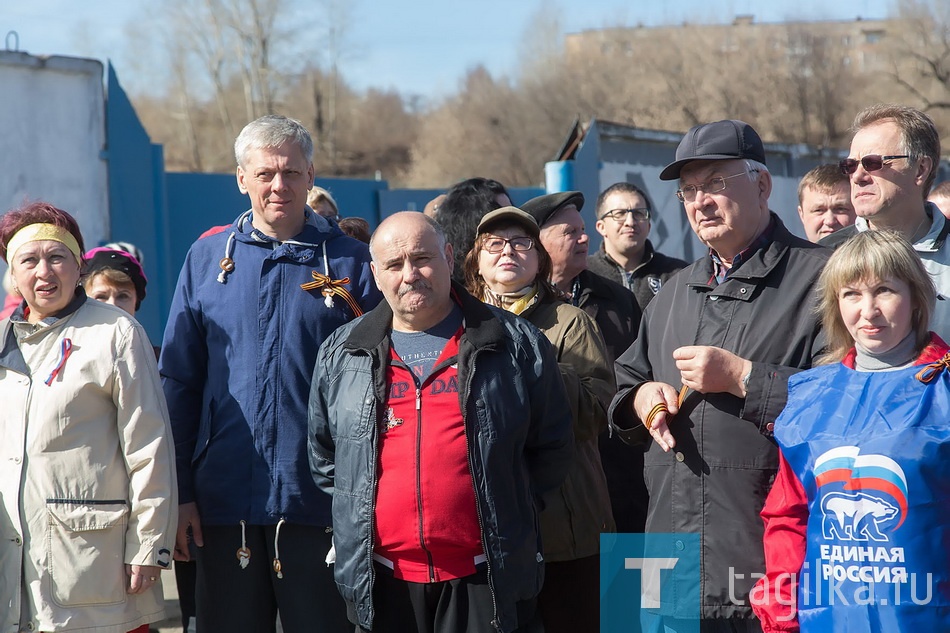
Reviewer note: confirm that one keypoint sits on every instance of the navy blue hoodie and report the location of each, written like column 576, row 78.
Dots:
column 237, row 361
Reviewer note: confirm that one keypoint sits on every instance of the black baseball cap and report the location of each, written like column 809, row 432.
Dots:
column 722, row 140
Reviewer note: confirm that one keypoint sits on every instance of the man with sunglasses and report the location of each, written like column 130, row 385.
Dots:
column 707, row 376
column 626, row 255
column 892, row 164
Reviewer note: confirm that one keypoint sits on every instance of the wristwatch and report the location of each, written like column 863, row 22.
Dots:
column 745, row 382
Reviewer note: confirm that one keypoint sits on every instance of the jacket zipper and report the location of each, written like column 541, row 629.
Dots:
column 422, row 535
column 372, row 509
column 478, row 503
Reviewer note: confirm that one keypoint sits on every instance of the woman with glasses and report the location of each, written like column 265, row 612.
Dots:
column 509, row 268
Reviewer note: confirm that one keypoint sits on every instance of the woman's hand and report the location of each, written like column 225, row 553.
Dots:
column 142, row 577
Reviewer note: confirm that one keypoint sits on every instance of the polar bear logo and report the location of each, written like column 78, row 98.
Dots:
column 855, row 517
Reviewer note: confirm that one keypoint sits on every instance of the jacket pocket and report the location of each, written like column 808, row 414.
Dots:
column 86, row 550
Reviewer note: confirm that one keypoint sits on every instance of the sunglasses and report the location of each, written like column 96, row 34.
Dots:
column 871, row 162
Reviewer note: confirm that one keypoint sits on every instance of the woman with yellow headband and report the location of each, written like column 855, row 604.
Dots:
column 88, row 497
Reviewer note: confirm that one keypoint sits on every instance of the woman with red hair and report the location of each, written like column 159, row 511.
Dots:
column 88, row 498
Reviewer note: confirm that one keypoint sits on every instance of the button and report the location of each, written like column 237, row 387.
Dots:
column 29, row 626
column 770, row 427
column 742, row 291
column 17, row 540
column 680, row 457
column 16, row 460
column 680, row 545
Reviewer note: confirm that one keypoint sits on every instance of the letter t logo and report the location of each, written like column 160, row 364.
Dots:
column 650, row 582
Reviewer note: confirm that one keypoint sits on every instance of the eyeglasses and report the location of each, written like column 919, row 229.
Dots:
column 871, row 162
column 496, row 245
column 713, row 185
column 620, row 215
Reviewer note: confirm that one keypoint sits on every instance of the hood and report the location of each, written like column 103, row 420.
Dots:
column 302, row 248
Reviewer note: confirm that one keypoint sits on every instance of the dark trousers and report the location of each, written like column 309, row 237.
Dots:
column 463, row 605
column 230, row 598
column 570, row 598
column 185, row 574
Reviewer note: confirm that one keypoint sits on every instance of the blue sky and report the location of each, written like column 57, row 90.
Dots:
column 417, row 46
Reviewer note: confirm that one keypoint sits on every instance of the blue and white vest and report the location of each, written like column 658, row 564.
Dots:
column 872, row 452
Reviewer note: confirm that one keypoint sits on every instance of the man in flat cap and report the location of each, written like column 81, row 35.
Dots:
column 617, row 314
column 728, row 331
column 564, row 238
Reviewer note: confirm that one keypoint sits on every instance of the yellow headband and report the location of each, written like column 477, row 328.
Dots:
column 39, row 231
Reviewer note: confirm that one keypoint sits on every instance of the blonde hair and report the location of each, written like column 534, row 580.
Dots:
column 318, row 195
column 873, row 256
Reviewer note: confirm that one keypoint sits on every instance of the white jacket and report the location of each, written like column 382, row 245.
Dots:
column 87, row 478
column 934, row 252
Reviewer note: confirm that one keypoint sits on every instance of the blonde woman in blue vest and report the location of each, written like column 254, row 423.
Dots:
column 856, row 531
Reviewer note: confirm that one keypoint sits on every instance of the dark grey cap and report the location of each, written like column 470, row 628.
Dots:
column 543, row 207
column 722, row 140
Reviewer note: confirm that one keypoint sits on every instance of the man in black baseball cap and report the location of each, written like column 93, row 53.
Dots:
column 726, row 333
column 721, row 140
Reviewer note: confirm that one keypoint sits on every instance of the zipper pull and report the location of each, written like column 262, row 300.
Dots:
column 418, row 399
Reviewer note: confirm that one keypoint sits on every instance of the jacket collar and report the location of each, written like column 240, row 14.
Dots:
column 932, row 242
column 79, row 298
column 647, row 256
column 10, row 355
column 759, row 265
column 316, row 230
column 482, row 326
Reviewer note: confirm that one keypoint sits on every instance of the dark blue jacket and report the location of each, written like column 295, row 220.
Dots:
column 236, row 365
column 520, row 444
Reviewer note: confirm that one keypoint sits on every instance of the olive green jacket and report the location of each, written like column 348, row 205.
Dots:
column 576, row 513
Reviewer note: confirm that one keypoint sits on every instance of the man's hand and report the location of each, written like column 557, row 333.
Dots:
column 648, row 396
column 187, row 517
column 711, row 369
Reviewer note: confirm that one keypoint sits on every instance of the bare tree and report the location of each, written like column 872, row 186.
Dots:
column 921, row 52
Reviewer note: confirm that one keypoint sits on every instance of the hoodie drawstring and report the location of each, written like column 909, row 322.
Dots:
column 244, row 553
column 226, row 263
column 280, row 574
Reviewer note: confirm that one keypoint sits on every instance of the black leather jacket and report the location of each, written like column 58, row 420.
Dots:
column 514, row 405
column 655, row 270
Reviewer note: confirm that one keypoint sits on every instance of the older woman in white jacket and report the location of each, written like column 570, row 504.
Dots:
column 88, row 497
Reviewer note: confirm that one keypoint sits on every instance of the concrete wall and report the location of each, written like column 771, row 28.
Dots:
column 54, row 131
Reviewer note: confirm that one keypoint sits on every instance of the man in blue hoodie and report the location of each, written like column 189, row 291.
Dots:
column 252, row 306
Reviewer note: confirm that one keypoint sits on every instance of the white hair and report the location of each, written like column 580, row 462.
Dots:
column 270, row 131
column 754, row 168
